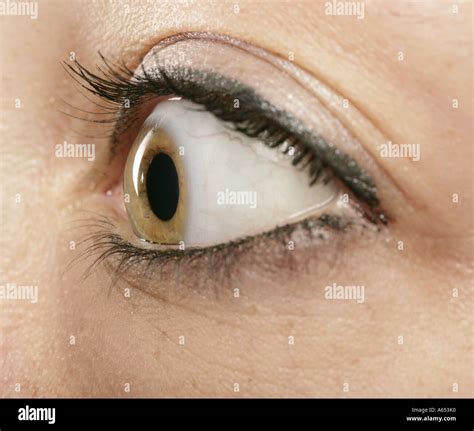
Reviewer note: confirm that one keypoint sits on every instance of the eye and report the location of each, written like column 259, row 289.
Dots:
column 219, row 146
column 190, row 178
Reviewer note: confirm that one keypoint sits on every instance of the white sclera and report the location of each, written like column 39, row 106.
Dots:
column 236, row 185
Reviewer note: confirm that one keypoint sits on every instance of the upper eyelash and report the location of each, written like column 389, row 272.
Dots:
column 255, row 118
column 119, row 84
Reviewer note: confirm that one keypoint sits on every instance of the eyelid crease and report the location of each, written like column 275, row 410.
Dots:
column 319, row 86
column 328, row 94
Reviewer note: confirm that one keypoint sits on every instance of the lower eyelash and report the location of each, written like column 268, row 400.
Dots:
column 127, row 261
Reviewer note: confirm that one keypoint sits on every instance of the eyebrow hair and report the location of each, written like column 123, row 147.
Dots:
column 217, row 93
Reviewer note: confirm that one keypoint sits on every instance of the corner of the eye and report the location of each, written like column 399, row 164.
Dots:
column 377, row 217
column 374, row 210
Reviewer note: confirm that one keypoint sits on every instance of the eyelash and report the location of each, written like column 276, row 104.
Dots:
column 119, row 85
column 135, row 263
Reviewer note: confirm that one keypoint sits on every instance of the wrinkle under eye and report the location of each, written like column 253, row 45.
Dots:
column 162, row 186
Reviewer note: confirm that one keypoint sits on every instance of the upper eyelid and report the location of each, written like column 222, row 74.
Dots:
column 127, row 85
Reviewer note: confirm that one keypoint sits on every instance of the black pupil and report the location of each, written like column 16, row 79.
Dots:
column 162, row 186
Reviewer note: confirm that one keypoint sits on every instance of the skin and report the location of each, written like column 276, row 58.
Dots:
column 135, row 340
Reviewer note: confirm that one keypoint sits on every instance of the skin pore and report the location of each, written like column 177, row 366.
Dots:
column 422, row 292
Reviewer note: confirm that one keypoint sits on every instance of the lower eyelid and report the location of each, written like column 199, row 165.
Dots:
column 314, row 241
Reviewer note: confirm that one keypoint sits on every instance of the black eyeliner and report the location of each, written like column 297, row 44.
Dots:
column 218, row 93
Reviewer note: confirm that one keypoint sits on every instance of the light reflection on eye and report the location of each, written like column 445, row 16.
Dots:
column 191, row 178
